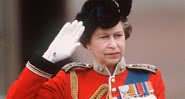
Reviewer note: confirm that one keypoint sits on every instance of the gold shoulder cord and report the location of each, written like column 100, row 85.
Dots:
column 74, row 84
column 103, row 89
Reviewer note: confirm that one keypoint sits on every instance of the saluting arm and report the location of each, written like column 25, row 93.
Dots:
column 34, row 78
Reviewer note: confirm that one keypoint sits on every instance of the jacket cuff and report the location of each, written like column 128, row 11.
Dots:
column 42, row 67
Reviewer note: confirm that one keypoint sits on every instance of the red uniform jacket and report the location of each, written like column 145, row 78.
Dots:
column 31, row 85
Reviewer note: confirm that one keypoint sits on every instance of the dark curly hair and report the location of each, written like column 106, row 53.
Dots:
column 104, row 14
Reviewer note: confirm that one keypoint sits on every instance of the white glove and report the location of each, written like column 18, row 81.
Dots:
column 65, row 42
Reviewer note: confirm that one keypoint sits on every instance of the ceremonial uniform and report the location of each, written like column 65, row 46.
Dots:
column 103, row 31
column 83, row 81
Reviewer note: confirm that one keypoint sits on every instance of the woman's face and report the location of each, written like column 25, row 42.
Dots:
column 108, row 45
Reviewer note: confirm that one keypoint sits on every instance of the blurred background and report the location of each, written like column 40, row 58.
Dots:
column 158, row 37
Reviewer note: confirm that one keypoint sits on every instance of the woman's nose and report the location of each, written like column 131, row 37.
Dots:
column 112, row 43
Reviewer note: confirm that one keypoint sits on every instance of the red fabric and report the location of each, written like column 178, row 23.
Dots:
column 158, row 84
column 31, row 86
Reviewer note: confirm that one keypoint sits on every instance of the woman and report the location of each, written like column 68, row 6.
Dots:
column 102, row 28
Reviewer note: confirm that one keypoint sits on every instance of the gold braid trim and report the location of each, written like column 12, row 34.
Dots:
column 103, row 89
column 74, row 84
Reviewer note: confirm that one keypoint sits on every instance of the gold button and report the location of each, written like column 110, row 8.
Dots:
column 114, row 90
column 113, row 80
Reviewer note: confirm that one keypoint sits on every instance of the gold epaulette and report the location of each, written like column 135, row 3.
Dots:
column 69, row 66
column 146, row 67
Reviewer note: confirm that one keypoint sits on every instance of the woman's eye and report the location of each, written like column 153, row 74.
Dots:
column 118, row 35
column 104, row 36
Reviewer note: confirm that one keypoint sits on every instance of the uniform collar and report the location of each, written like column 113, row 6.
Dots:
column 102, row 69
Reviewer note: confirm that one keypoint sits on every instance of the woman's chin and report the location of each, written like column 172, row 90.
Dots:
column 112, row 62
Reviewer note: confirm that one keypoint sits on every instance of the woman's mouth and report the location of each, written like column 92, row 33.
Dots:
column 113, row 54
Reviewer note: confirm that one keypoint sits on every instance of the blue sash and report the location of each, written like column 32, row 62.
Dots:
column 135, row 76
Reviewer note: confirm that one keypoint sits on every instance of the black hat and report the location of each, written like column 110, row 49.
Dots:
column 102, row 13
column 105, row 13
